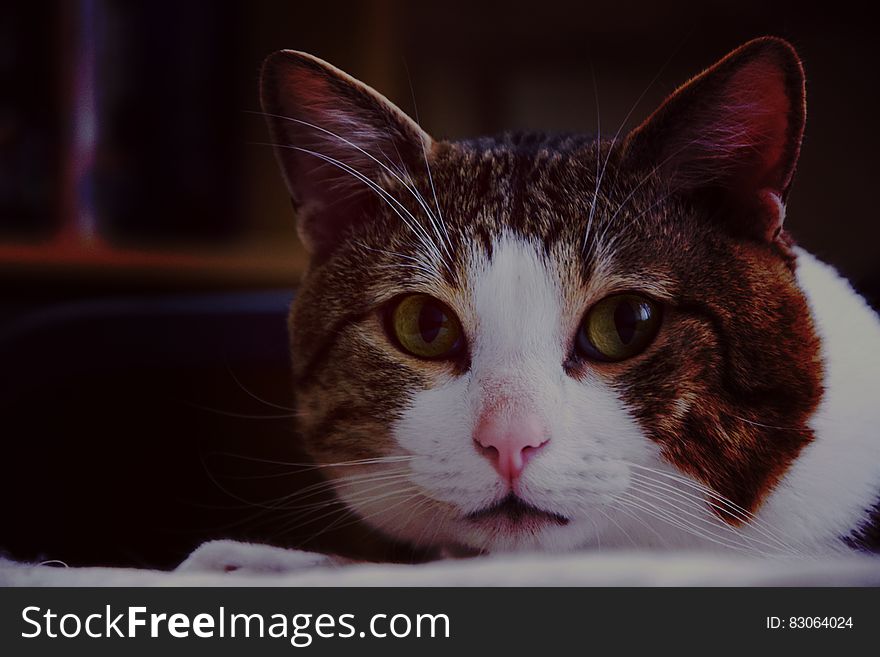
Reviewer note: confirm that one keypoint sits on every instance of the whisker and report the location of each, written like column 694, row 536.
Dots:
column 241, row 416
column 368, row 494
column 376, row 460
column 596, row 533
column 422, row 270
column 418, row 493
column 254, row 396
column 644, row 180
column 264, row 509
column 407, row 185
column 624, row 122
column 630, row 514
column 395, row 254
column 682, row 495
column 598, row 158
column 418, row 510
column 414, row 263
column 328, row 484
column 350, row 510
column 656, row 485
column 769, row 426
column 689, row 521
column 415, row 226
column 611, row 519
column 670, row 518
column 721, row 499
column 448, row 241
column 382, row 480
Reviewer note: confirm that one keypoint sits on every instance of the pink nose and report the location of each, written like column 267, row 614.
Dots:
column 510, row 440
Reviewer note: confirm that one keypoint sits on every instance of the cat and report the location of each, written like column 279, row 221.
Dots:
column 558, row 342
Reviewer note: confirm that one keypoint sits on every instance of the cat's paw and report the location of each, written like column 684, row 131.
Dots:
column 226, row 556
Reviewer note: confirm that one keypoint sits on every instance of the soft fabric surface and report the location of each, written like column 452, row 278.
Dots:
column 227, row 563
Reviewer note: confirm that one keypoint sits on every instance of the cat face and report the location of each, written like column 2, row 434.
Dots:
column 537, row 341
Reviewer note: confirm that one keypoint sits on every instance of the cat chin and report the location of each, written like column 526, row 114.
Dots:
column 465, row 539
column 548, row 539
column 469, row 543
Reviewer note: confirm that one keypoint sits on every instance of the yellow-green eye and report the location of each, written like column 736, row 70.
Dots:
column 618, row 327
column 426, row 328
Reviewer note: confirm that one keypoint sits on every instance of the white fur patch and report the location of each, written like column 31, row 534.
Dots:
column 836, row 479
column 518, row 335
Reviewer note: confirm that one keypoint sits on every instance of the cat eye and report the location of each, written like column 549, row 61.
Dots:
column 618, row 327
column 425, row 328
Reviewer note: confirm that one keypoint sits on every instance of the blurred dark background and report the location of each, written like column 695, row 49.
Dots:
column 147, row 249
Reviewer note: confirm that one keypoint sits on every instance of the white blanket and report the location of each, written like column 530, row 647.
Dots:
column 227, row 563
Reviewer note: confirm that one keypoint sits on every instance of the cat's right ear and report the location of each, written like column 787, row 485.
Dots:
column 335, row 139
column 732, row 135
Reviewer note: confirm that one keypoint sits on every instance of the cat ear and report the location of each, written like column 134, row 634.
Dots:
column 732, row 135
column 336, row 140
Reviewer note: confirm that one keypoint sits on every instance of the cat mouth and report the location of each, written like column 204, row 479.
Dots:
column 516, row 512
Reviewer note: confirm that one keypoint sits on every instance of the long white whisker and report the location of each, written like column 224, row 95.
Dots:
column 415, row 226
column 282, row 502
column 406, row 184
column 627, row 511
column 669, row 517
column 414, row 263
column 598, row 158
column 412, row 92
column 697, row 523
column 754, row 520
column 395, row 254
column 350, row 511
column 419, row 268
column 619, row 129
column 768, row 426
column 396, row 458
column 660, row 487
column 377, row 481
column 645, row 179
column 611, row 519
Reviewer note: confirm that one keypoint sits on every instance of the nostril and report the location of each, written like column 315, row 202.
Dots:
column 489, row 451
column 530, row 450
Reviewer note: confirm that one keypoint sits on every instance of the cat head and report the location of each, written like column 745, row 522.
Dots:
column 535, row 341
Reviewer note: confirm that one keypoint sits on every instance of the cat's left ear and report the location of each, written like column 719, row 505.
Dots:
column 337, row 141
column 732, row 135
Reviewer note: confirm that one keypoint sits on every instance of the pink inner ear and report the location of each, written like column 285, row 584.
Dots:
column 336, row 134
column 762, row 85
column 305, row 86
column 747, row 132
column 312, row 99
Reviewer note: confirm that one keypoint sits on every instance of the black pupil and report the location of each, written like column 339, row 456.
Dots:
column 430, row 322
column 627, row 317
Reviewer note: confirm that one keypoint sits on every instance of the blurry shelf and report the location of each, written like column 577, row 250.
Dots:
column 243, row 266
